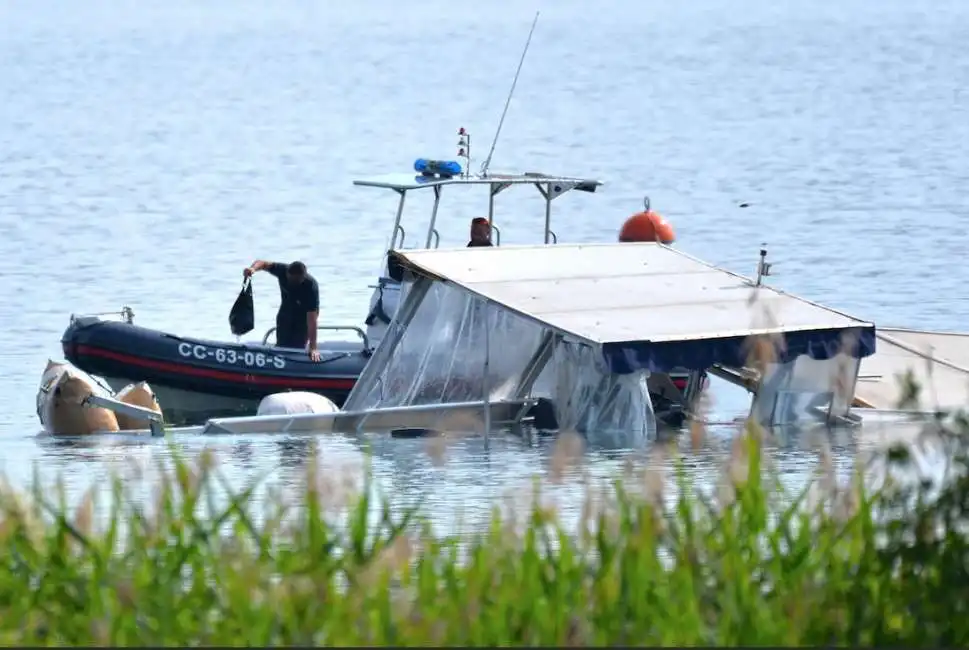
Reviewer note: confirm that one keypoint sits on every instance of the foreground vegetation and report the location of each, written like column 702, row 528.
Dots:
column 837, row 564
column 853, row 568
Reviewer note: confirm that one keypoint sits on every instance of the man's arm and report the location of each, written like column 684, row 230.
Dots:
column 277, row 269
column 312, row 317
column 313, row 314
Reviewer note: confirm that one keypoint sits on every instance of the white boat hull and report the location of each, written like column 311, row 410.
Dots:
column 60, row 402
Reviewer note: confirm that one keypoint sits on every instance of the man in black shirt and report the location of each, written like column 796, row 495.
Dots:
column 480, row 232
column 298, row 313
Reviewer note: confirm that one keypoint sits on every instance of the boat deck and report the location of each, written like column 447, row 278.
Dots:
column 648, row 306
column 939, row 362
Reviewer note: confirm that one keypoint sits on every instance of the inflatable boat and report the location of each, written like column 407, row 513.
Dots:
column 195, row 378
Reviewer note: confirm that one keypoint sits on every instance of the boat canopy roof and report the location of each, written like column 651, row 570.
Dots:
column 648, row 306
column 405, row 182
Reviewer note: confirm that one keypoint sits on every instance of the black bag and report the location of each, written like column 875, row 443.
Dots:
column 242, row 317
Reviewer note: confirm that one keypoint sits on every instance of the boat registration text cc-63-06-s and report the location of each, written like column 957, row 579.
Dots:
column 231, row 357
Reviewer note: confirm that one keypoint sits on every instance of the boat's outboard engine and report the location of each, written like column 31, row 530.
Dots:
column 383, row 305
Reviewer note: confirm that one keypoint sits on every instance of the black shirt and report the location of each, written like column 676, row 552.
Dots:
column 291, row 331
column 473, row 243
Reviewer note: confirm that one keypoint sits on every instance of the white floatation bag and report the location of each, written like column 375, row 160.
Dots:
column 139, row 394
column 295, row 402
column 63, row 389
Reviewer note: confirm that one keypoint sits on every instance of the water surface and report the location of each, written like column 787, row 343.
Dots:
column 148, row 152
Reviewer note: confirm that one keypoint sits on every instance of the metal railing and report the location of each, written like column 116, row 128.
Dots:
column 353, row 328
column 154, row 418
column 393, row 242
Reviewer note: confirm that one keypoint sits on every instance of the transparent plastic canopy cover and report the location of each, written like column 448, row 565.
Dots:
column 441, row 359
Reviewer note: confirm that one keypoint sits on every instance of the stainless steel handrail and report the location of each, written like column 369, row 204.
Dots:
column 353, row 328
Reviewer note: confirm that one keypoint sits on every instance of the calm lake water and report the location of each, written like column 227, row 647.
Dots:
column 149, row 151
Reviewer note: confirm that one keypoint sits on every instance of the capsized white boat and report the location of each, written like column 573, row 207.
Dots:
column 197, row 378
column 60, row 402
column 64, row 407
column 484, row 333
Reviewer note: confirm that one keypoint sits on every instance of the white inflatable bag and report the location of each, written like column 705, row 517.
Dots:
column 294, row 402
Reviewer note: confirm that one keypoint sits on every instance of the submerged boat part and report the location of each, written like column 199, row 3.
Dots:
column 482, row 334
column 61, row 401
column 938, row 361
column 138, row 394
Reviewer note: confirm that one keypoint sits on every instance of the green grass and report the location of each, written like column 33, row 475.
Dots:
column 856, row 568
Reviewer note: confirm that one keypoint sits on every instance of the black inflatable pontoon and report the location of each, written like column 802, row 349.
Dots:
column 177, row 365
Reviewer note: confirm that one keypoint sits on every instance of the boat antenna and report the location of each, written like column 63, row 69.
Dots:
column 487, row 162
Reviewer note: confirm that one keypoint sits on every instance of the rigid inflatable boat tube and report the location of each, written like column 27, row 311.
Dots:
column 60, row 402
column 232, row 369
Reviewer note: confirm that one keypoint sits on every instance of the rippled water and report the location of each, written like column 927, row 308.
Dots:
column 149, row 152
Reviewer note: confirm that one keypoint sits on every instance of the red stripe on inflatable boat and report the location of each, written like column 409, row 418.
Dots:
column 237, row 377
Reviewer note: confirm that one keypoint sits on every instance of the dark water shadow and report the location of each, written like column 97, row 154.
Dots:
column 809, row 437
column 294, row 452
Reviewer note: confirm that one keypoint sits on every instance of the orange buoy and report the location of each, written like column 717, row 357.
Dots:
column 647, row 226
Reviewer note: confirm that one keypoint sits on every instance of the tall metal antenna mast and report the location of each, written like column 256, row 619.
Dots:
column 487, row 162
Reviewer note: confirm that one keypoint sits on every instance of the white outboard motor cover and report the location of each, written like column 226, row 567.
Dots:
column 295, row 402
